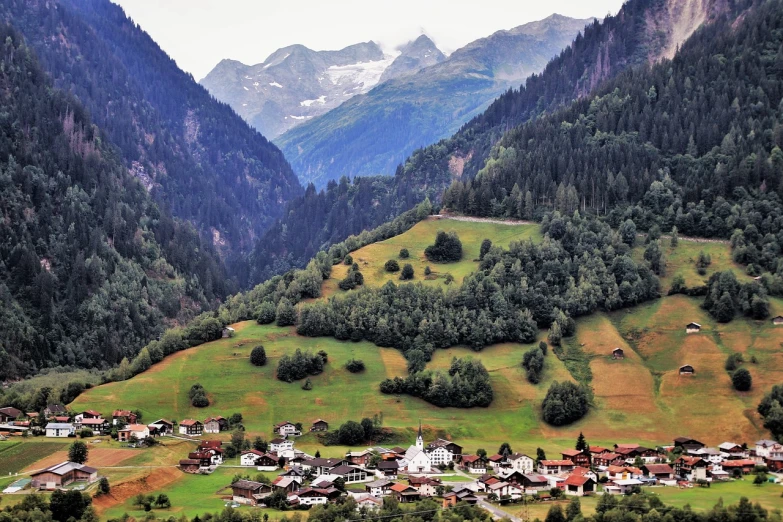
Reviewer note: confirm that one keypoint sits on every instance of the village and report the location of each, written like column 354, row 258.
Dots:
column 422, row 470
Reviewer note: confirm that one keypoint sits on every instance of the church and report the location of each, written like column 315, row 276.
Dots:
column 416, row 459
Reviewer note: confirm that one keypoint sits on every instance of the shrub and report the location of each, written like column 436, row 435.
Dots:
column 308, row 385
column 258, row 356
column 407, row 272
column 353, row 279
column 299, row 365
column 404, row 254
column 733, row 361
column 103, row 486
column 447, row 248
column 348, row 260
column 486, row 245
column 355, row 366
column 198, row 396
column 351, row 433
column 565, row 403
column 391, row 266
column 742, row 380
column 427, row 270
column 533, row 362
column 85, row 432
column 265, row 313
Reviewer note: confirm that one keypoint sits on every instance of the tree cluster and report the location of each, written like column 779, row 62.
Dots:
column 355, row 365
column 299, row 365
column 565, row 402
column 353, row 279
column 726, row 296
column 198, row 396
column 533, row 363
column 447, row 248
column 771, row 409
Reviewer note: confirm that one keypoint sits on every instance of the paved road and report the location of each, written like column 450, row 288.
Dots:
column 497, row 512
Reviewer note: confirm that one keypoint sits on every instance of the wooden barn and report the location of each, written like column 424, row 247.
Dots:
column 692, row 328
column 687, row 369
column 618, row 353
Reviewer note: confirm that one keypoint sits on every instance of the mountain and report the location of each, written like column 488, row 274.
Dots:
column 634, row 37
column 414, row 56
column 91, row 269
column 192, row 153
column 296, row 84
column 373, row 133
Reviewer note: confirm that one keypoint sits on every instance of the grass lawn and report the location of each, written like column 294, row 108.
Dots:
column 702, row 499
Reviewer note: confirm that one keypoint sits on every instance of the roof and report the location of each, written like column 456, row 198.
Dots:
column 729, row 445
column 388, row 464
column 535, row 477
column 470, row 458
column 618, row 349
column 440, row 443
column 515, row 456
column 571, row 452
column 628, row 482
column 279, row 441
column 557, row 463
column 95, row 422
column 316, row 421
column 189, row 422
column 343, row 470
column 284, row 423
column 59, row 426
column 55, row 407
column 254, row 452
column 739, row 463
column 399, row 488
column 683, row 440
column 248, row 484
column 190, row 462
column 610, row 455
column 382, row 483
column 694, row 324
column 765, row 442
column 597, row 449
column 135, row 427
column 91, row 412
column 121, row 413
column 577, row 480
column 11, row 411
column 65, row 467
column 658, row 468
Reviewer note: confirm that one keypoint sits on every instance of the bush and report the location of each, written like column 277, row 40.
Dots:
column 85, row 432
column 258, row 356
column 198, row 396
column 407, row 272
column 351, row 433
column 285, row 314
column 355, row 366
column 265, row 313
column 353, row 279
column 742, row 380
column 404, row 254
column 391, row 266
column 348, row 260
column 299, row 365
column 308, row 385
column 533, row 362
column 565, row 403
column 103, row 486
column 733, row 361
column 447, row 248
column 427, row 270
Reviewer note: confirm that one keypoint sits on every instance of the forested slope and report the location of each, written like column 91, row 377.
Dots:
column 90, row 268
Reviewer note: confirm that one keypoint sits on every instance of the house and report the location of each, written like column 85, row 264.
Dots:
column 618, row 353
column 350, row 474
column 163, row 426
column 597, row 450
column 359, row 458
column 417, row 461
column 311, row 496
column 319, row 425
column 579, row 458
column 426, row 486
column 212, row 425
column 691, row 468
column 497, row 462
column 294, row 472
column 531, row 482
column 777, row 320
column 250, row 457
column 204, row 458
column 404, row 493
column 59, row 429
column 288, row 484
column 191, row 427
column 388, row 468
column 774, row 464
column 763, row 447
column 89, row 414
column 692, row 328
column 97, row 425
column 368, row 502
column 453, row 497
column 442, row 451
column 732, row 450
column 53, row 410
column 249, row 492
column 9, row 414
column 502, row 489
column 285, row 429
column 711, row 455
column 139, row 431
column 379, row 488
column 63, row 474
column 623, row 472
column 555, row 467
column 658, row 471
column 608, row 458
column 744, row 465
column 474, row 464
column 520, row 462
column 123, row 417
column 621, row 487
column 321, row 466
column 687, row 443
column 687, row 369
column 227, row 332
column 578, row 485
column 280, row 445
column 190, row 465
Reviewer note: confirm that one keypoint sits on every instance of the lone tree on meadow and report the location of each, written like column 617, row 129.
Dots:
column 392, row 265
column 77, row 452
column 742, row 380
column 407, row 272
column 258, row 356
column 447, row 248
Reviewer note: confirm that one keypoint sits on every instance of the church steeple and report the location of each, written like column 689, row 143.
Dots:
column 420, row 439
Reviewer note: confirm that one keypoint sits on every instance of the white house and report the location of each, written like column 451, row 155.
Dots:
column 59, row 429
column 520, row 462
column 442, row 451
column 310, row 496
column 379, row 488
column 280, row 445
column 286, row 428
column 505, row 489
column 621, row 487
column 248, row 458
column 733, row 450
column 763, row 447
column 711, row 455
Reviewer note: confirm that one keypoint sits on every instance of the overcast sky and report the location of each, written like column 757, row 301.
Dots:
column 199, row 33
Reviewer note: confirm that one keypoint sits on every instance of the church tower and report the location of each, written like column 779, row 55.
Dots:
column 420, row 439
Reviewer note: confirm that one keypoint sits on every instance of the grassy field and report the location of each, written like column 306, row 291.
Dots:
column 17, row 454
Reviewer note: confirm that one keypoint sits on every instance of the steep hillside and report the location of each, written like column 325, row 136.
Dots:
column 194, row 154
column 296, row 84
column 371, row 134
column 90, row 268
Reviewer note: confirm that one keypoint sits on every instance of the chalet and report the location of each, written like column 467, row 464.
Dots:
column 621, row 486
column 618, row 353
column 280, row 445
column 123, row 417
column 691, row 468
column 579, row 458
column 555, row 467
column 453, row 497
column 139, row 431
column 285, row 429
column 731, row 450
column 486, row 480
column 687, row 369
column 63, row 474
column 687, row 443
column 53, row 410
column 190, row 465
column 9, row 414
column 506, row 490
column 215, row 424
column 763, row 447
column 321, row 466
column 404, row 493
column 59, row 429
column 597, row 450
column 350, row 474
column 777, row 320
column 249, row 492
column 474, row 464
column 608, row 458
column 163, row 426
column 426, row 486
column 368, row 502
column 623, row 472
column 97, row 425
column 774, row 464
column 578, row 485
column 227, row 332
column 89, row 414
column 531, row 482
column 310, row 496
column 744, row 465
column 692, row 328
column 442, row 451
column 319, row 425
column 658, row 471
column 379, row 488
column 294, row 472
column 359, row 458
column 204, row 458
column 711, row 455
column 286, row 483
column 388, row 468
column 520, row 462
column 191, row 427
column 497, row 462
column 249, row 457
